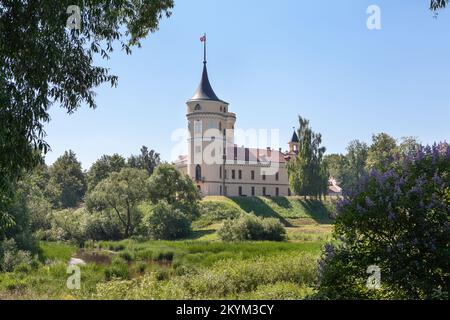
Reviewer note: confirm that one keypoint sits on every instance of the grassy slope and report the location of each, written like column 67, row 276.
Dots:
column 282, row 208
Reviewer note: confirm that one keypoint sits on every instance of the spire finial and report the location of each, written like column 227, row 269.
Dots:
column 203, row 39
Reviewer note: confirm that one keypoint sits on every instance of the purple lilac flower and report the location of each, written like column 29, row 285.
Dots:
column 369, row 202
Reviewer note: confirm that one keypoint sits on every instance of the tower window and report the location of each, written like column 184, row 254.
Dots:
column 198, row 173
column 233, row 174
column 198, row 126
column 253, row 191
column 240, row 191
column 197, row 107
column 253, row 174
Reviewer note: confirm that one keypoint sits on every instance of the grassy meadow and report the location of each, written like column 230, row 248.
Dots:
column 201, row 267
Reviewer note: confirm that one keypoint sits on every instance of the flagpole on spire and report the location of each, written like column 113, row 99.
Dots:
column 204, row 48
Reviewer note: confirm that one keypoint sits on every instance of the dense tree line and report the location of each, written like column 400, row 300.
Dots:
column 360, row 159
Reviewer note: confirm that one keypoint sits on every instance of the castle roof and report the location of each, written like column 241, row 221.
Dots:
column 204, row 90
column 295, row 137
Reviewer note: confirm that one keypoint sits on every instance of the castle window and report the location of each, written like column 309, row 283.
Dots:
column 211, row 124
column 264, row 176
column 289, row 192
column 220, row 190
column 198, row 173
column 264, row 191
column 220, row 108
column 253, row 191
column 198, row 126
column 197, row 107
column 277, row 192
column 220, row 172
column 277, row 176
column 240, row 191
column 240, row 174
column 220, row 126
column 253, row 174
column 233, row 174
column 224, row 109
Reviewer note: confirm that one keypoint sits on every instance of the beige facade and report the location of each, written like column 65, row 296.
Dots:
column 216, row 164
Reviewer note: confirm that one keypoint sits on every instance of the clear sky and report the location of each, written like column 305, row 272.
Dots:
column 274, row 60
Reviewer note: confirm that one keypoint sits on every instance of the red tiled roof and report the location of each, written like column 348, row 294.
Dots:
column 253, row 155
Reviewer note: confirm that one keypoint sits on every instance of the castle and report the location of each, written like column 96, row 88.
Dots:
column 216, row 164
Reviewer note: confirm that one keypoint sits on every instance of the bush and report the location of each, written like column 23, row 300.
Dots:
column 167, row 223
column 118, row 269
column 11, row 257
column 397, row 220
column 251, row 227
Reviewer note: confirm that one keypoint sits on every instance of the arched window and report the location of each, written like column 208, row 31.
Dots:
column 198, row 173
column 224, row 109
column 198, row 107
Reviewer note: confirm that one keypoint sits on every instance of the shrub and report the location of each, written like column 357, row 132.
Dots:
column 128, row 256
column 11, row 257
column 167, row 223
column 251, row 227
column 397, row 220
column 117, row 269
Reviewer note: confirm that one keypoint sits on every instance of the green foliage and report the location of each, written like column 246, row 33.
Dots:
column 103, row 167
column 11, row 257
column 177, row 189
column 67, row 184
column 438, row 4
column 120, row 194
column 399, row 221
column 147, row 160
column 381, row 152
column 216, row 211
column 36, row 31
column 251, row 227
column 225, row 279
column 117, row 269
column 308, row 174
column 167, row 223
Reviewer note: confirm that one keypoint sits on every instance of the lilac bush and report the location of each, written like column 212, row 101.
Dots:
column 398, row 220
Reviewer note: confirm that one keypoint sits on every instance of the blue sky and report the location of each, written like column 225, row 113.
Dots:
column 272, row 61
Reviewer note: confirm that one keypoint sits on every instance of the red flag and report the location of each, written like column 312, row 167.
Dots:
column 203, row 39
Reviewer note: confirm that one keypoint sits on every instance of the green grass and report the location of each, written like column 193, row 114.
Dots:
column 56, row 251
column 282, row 208
column 201, row 267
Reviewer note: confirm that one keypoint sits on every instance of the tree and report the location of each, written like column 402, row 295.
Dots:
column 438, row 4
column 308, row 174
column 167, row 223
column 381, row 152
column 147, row 160
column 398, row 220
column 177, row 189
column 42, row 63
column 103, row 167
column 67, row 183
column 120, row 194
column 335, row 164
column 355, row 164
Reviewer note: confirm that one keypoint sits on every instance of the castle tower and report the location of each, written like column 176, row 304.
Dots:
column 293, row 144
column 211, row 129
